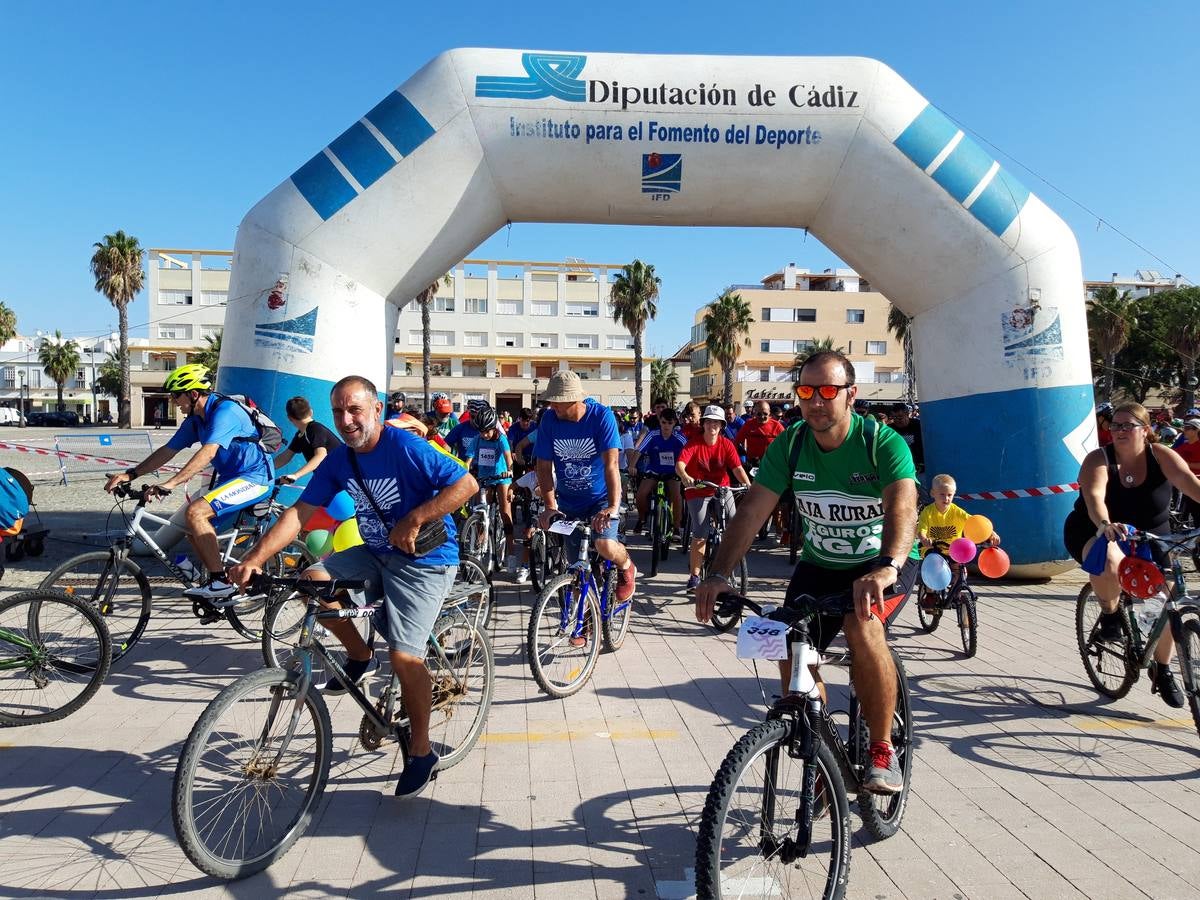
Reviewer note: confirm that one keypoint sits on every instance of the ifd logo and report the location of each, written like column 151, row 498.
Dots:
column 662, row 174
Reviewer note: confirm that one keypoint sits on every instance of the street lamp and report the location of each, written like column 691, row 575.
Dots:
column 536, row 382
column 21, row 393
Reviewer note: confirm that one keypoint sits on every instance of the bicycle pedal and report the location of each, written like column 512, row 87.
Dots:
column 210, row 618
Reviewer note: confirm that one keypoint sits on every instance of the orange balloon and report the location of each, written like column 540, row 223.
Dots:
column 977, row 529
column 993, row 562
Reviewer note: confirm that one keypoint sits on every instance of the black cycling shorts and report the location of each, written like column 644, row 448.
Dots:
column 819, row 581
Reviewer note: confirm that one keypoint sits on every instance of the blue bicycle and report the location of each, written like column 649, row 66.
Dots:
column 569, row 614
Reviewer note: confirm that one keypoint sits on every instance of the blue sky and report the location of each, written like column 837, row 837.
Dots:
column 171, row 120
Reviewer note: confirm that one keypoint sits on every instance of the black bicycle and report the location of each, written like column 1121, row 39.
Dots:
column 959, row 596
column 661, row 518
column 777, row 819
column 718, row 520
column 483, row 536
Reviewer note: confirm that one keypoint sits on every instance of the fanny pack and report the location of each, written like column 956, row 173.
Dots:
column 430, row 536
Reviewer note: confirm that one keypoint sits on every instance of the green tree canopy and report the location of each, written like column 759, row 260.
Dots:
column 727, row 328
column 8, row 324
column 117, row 267
column 634, row 296
column 60, row 358
column 664, row 382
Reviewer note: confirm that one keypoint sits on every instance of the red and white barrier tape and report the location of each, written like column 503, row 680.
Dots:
column 1046, row 491
column 62, row 454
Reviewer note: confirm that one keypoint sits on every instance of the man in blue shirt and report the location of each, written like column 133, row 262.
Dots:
column 577, row 448
column 400, row 485
column 243, row 471
column 659, row 452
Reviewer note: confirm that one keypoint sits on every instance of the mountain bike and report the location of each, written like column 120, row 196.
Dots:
column 55, row 653
column 776, row 822
column 117, row 585
column 1114, row 667
column 254, row 767
column 570, row 613
column 959, row 596
column 661, row 518
column 547, row 557
column 483, row 536
column 718, row 520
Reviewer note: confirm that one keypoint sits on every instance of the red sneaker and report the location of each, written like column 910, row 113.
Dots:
column 626, row 582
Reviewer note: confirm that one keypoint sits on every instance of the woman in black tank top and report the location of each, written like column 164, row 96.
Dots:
column 1127, row 483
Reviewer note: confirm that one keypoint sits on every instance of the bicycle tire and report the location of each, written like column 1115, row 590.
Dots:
column 538, row 560
column 614, row 628
column 655, row 535
column 929, row 618
column 666, row 527
column 472, row 540
column 881, row 813
column 281, row 631
column 966, row 608
column 471, row 571
column 740, row 583
column 125, row 614
column 46, row 655
column 1111, row 671
column 1189, row 664
column 472, row 671
column 733, row 795
column 247, row 616
column 274, row 685
column 560, row 667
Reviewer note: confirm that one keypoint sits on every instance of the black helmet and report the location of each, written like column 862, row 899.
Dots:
column 484, row 419
column 397, row 400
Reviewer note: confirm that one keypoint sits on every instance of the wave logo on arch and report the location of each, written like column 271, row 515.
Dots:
column 662, row 173
column 290, row 334
column 546, row 75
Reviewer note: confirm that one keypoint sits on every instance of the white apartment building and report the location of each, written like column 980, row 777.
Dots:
column 1141, row 283
column 25, row 385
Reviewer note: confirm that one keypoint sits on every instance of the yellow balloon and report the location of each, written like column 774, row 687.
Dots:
column 977, row 529
column 346, row 536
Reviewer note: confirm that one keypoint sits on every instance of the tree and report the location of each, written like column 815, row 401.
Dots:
column 664, row 382
column 60, row 358
column 210, row 354
column 425, row 300
column 1147, row 362
column 825, row 343
column 108, row 375
column 117, row 266
column 8, row 324
column 1110, row 317
column 1182, row 320
column 634, row 296
column 900, row 325
column 727, row 328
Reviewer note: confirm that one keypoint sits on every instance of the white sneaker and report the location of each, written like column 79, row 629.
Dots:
column 523, row 575
column 214, row 590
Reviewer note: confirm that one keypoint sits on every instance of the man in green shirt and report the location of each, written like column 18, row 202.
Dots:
column 855, row 485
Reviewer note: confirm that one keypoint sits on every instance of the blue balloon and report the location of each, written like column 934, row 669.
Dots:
column 341, row 507
column 935, row 572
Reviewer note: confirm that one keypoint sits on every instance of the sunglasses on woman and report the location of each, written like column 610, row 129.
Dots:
column 826, row 391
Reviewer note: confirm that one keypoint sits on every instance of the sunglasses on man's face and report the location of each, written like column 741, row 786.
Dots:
column 1125, row 426
column 825, row 391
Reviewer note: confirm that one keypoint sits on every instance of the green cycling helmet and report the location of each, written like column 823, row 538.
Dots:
column 192, row 377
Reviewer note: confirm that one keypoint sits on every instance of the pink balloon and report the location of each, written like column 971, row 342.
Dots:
column 962, row 550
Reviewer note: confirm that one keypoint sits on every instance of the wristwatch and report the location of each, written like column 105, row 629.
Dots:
column 881, row 561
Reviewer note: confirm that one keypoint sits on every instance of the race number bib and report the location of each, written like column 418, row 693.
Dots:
column 760, row 638
column 487, row 456
column 564, row 526
column 666, row 460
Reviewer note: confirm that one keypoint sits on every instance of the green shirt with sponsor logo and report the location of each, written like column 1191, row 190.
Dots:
column 839, row 492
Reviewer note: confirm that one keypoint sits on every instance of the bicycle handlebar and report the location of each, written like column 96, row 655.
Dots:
column 800, row 607
column 732, row 488
column 263, row 582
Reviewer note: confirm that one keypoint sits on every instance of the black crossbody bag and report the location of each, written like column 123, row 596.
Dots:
column 430, row 536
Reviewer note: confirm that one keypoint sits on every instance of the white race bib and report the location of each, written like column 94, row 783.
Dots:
column 760, row 638
column 666, row 460
column 487, row 456
column 564, row 526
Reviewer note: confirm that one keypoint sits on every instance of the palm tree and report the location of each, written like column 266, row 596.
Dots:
column 812, row 347
column 1110, row 317
column 1183, row 334
column 117, row 265
column 425, row 301
column 210, row 355
column 727, row 328
column 664, row 382
column 634, row 296
column 900, row 325
column 108, row 375
column 8, row 324
column 60, row 358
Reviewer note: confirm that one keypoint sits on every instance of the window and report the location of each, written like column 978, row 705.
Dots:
column 474, row 368
column 544, row 341
column 436, row 338
column 474, row 338
column 543, row 371
column 508, row 307
column 443, row 304
column 620, row 342
column 806, row 315
column 414, row 339
column 214, row 298
column 856, row 316
column 778, row 314
column 876, row 348
column 543, row 308
column 804, row 345
column 778, row 346
column 582, row 341
column 175, row 298
column 583, row 309
column 175, row 332
column 476, row 304
column 510, row 370
column 210, row 331
column 508, row 340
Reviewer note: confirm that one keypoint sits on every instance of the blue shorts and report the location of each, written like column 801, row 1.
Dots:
column 235, row 494
column 412, row 594
column 575, row 538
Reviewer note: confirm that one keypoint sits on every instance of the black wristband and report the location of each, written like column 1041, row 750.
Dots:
column 132, row 472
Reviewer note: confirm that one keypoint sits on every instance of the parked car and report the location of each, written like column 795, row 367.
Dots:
column 54, row 419
column 9, row 416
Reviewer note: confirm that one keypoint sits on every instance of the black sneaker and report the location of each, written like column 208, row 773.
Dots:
column 418, row 772
column 1110, row 630
column 1163, row 683
column 357, row 671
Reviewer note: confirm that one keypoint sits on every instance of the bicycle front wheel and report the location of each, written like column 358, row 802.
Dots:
column 749, row 844
column 463, row 672
column 656, row 536
column 248, row 613
column 55, row 652
column 244, row 790
column 473, row 540
column 1189, row 663
column 1109, row 664
column 117, row 588
column 929, row 617
column 562, row 651
column 740, row 583
column 968, row 621
column 478, row 607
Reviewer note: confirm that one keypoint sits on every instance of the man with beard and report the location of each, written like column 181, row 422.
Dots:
column 399, row 484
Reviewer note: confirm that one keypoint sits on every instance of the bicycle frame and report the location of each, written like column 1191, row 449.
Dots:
column 1177, row 604
column 586, row 580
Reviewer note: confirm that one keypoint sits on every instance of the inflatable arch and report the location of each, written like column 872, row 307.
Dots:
column 841, row 146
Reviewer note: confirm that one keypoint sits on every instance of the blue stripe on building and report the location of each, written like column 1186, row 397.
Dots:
column 362, row 154
column 963, row 169
column 399, row 122
column 323, row 186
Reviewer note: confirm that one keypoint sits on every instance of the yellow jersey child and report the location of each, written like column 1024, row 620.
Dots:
column 942, row 520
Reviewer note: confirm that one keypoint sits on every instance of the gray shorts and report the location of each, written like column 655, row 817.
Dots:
column 698, row 513
column 412, row 594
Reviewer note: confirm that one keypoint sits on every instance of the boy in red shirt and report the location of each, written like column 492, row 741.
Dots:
column 710, row 458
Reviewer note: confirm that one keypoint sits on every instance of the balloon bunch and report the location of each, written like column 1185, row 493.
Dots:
column 333, row 528
column 993, row 562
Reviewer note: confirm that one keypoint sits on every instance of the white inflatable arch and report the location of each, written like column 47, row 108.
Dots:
column 841, row 146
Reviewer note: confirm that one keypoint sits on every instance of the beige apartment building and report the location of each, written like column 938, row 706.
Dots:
column 794, row 308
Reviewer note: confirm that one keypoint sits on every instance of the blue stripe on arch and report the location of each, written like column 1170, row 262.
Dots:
column 323, row 186
column 400, row 122
column 961, row 171
column 362, row 154
column 1000, row 203
column 926, row 136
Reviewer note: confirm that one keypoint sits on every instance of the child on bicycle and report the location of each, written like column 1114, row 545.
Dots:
column 490, row 457
column 942, row 522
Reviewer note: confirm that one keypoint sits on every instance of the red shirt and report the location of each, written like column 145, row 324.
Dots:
column 757, row 436
column 691, row 432
column 1104, row 436
column 709, row 462
column 1190, row 454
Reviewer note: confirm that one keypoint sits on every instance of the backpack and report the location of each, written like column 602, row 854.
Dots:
column 270, row 436
column 870, row 434
column 14, row 502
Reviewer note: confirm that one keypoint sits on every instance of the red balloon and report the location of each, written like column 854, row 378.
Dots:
column 321, row 520
column 993, row 562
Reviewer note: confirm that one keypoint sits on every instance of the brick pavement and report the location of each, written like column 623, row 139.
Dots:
column 1025, row 783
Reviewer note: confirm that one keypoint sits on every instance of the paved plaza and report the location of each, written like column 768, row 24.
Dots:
column 1025, row 783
